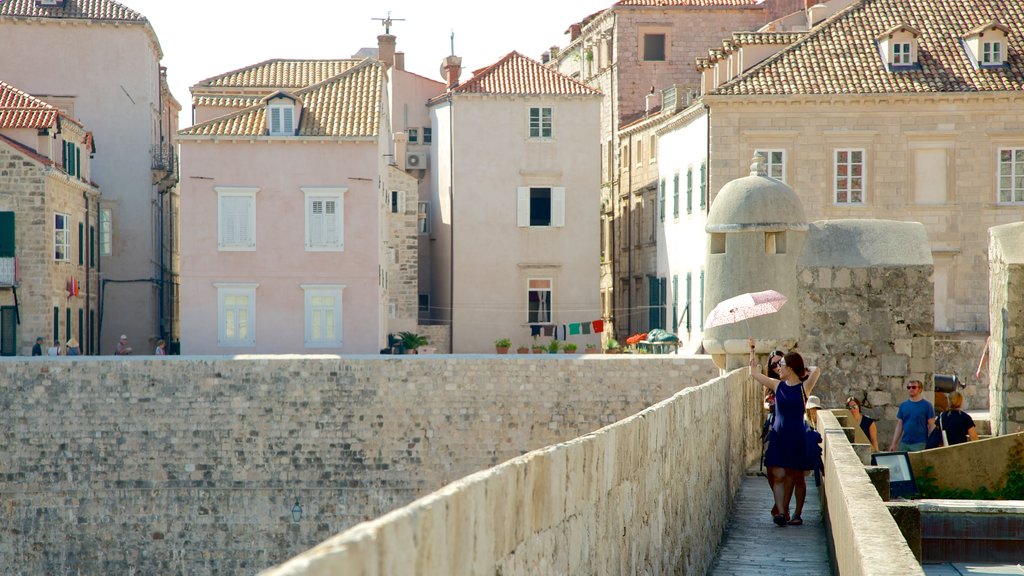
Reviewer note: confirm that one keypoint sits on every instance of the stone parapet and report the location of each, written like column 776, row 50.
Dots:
column 647, row 494
column 194, row 464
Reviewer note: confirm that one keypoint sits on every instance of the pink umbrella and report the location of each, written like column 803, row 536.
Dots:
column 744, row 306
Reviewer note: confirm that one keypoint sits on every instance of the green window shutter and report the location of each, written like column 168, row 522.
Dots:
column 56, row 323
column 81, row 330
column 689, row 191
column 675, row 303
column 675, row 197
column 702, row 300
column 7, row 237
column 81, row 243
column 92, row 331
column 703, row 184
column 689, row 295
column 661, row 200
column 92, row 246
column 67, row 327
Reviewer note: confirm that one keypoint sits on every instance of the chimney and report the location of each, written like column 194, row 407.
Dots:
column 451, row 69
column 386, row 49
column 652, row 101
column 575, row 29
column 399, row 60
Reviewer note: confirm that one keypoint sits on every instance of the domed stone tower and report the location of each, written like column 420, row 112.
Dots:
column 756, row 229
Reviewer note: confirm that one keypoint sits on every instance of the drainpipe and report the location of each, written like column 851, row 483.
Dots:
column 88, row 263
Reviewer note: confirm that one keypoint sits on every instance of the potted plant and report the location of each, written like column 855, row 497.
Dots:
column 612, row 346
column 501, row 345
column 590, row 348
column 569, row 348
column 411, row 341
column 554, row 346
column 523, row 349
column 539, row 349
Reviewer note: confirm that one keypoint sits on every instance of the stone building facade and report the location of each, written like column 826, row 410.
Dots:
column 49, row 266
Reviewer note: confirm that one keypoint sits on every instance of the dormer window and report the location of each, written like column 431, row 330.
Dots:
column 898, row 46
column 986, row 45
column 282, row 113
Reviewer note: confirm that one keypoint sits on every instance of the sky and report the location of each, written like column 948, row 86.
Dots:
column 204, row 38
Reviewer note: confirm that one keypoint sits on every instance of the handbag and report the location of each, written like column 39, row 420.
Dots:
column 937, row 438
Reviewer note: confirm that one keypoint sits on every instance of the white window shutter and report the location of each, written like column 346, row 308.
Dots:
column 331, row 226
column 523, row 206
column 228, row 221
column 244, row 211
column 288, row 121
column 558, row 206
column 275, row 120
column 316, row 222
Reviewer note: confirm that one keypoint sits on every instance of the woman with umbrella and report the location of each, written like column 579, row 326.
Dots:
column 786, row 457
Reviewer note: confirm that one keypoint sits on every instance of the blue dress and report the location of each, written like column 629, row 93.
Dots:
column 787, row 440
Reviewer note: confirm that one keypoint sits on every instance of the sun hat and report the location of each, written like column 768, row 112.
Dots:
column 813, row 402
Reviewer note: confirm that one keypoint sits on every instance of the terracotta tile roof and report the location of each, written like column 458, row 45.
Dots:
column 21, row 110
column 83, row 9
column 694, row 3
column 226, row 101
column 346, row 105
column 279, row 73
column 840, row 55
column 760, row 38
column 517, row 74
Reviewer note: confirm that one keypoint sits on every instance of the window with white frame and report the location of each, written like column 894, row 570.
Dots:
column 991, row 53
column 61, row 237
column 1011, row 175
column 775, row 162
column 540, row 122
column 323, row 315
column 423, row 218
column 236, row 218
column 236, row 314
column 901, row 55
column 414, row 135
column 428, row 135
column 325, row 217
column 106, row 231
column 540, row 207
column 281, row 119
column 849, row 176
column 398, row 202
column 539, row 293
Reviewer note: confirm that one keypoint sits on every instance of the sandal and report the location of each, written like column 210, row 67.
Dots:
column 796, row 521
column 779, row 520
column 775, row 510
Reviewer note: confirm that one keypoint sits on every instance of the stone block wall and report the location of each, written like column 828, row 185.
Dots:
column 193, row 464
column 1006, row 316
column 870, row 331
column 957, row 353
column 402, row 253
column 646, row 495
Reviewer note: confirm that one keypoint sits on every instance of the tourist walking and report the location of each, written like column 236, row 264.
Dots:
column 957, row 424
column 866, row 423
column 37, row 348
column 122, row 349
column 54, row 350
column 73, row 349
column 161, row 348
column 786, row 456
column 915, row 420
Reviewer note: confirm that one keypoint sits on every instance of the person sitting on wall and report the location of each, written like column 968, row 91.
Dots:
column 915, row 421
column 866, row 423
column 957, row 424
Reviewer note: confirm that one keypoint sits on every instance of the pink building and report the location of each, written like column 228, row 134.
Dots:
column 298, row 218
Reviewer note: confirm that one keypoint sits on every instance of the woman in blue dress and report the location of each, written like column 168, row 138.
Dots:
column 786, row 457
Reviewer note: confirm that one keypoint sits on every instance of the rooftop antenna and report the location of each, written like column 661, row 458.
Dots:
column 387, row 22
column 453, row 43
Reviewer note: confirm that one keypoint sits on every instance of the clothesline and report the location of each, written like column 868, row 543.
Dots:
column 573, row 329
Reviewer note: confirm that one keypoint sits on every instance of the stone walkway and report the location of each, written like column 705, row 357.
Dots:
column 753, row 546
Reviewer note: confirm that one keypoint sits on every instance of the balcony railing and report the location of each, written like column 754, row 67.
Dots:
column 8, row 271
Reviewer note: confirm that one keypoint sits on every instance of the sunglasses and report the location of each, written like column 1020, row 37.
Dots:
column 852, row 407
column 912, row 387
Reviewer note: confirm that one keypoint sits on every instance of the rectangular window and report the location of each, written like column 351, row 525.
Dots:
column 654, row 47
column 675, row 197
column 539, row 298
column 689, row 190
column 106, row 232
column 424, row 303
column 92, row 246
column 703, row 184
column 428, row 135
column 81, row 243
column 689, row 300
column 849, row 176
column 775, row 162
column 282, row 120
column 901, row 54
column 323, row 315
column 423, row 218
column 61, row 237
column 653, row 148
column 7, row 237
column 414, row 135
column 398, row 202
column 540, row 123
column 661, row 200
column 701, row 309
column 541, row 207
column 81, row 329
column 675, row 303
column 236, row 222
column 1011, row 175
column 991, row 53
column 638, row 150
column 236, row 314
column 56, row 323
column 67, row 325
column 325, row 217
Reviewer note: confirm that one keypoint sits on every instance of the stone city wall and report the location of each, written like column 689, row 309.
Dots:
column 870, row 331
column 959, row 353
column 646, row 495
column 1006, row 317
column 193, row 465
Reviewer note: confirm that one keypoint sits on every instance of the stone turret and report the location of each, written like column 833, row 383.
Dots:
column 756, row 229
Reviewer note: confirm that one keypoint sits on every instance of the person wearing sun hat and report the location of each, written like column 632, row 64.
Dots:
column 72, row 347
column 123, row 349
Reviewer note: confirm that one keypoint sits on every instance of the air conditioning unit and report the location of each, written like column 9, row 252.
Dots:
column 416, row 160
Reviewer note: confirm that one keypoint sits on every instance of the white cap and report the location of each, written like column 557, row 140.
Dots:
column 123, row 337
column 813, row 402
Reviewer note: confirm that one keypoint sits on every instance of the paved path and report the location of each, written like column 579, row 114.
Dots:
column 754, row 546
